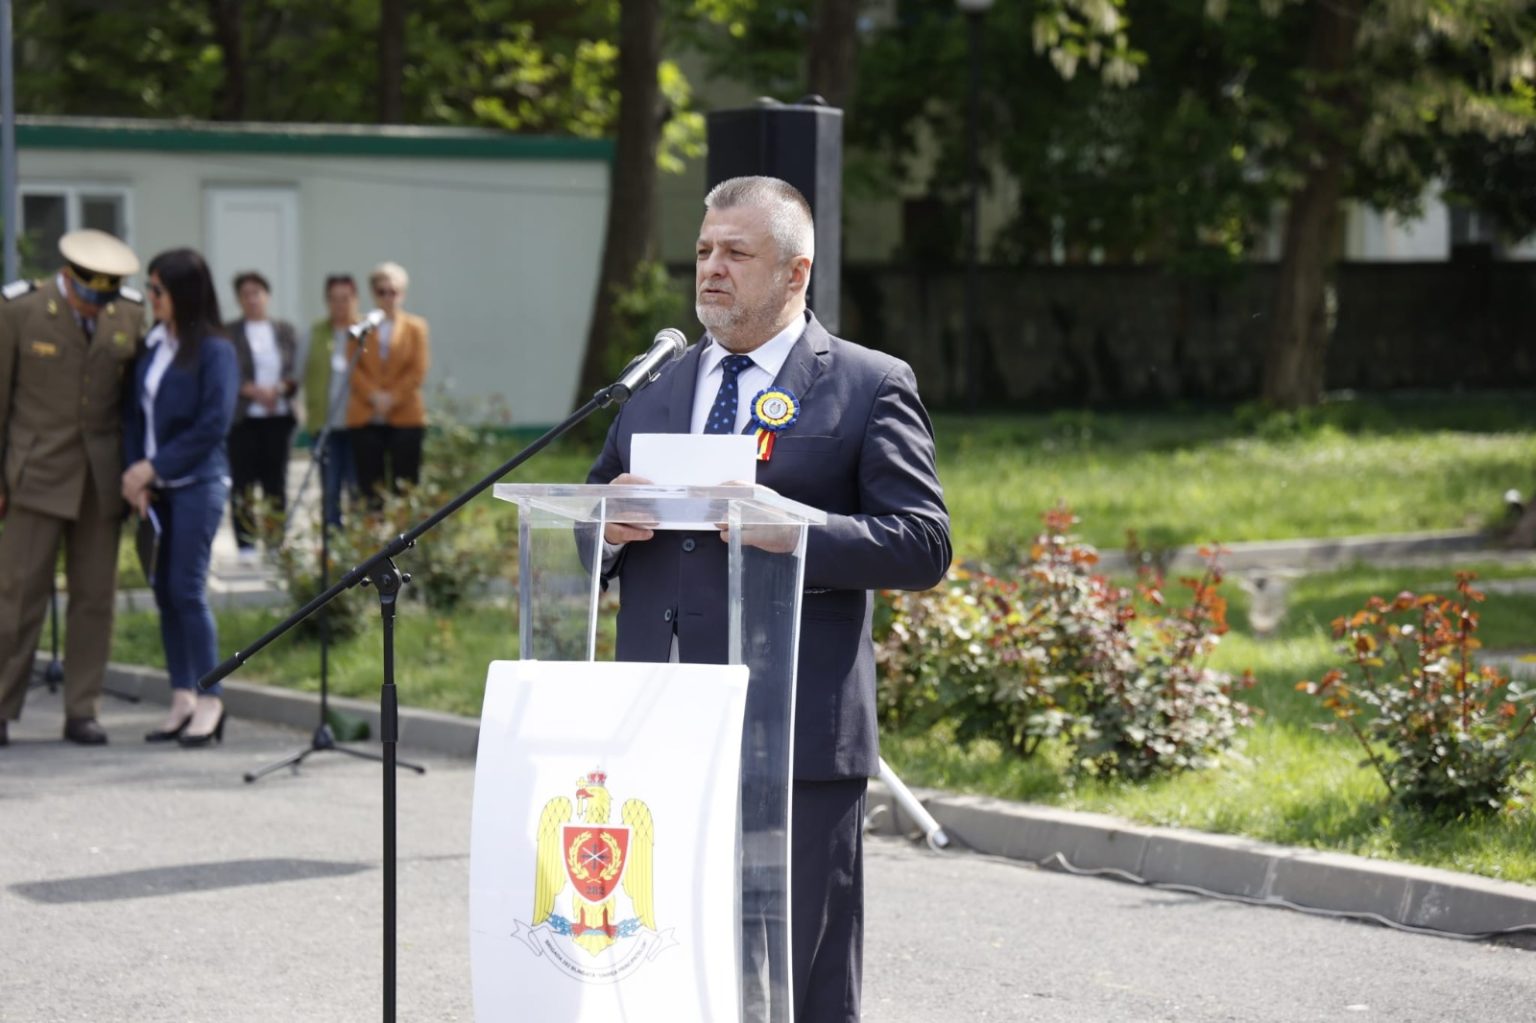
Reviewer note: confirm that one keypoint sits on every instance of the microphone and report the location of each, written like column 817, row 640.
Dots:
column 668, row 347
column 367, row 323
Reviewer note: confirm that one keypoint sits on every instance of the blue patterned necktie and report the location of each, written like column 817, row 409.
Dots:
column 722, row 415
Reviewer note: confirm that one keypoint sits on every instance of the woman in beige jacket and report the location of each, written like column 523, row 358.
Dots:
column 386, row 417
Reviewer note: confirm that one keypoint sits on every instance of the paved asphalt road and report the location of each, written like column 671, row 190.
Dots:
column 149, row 884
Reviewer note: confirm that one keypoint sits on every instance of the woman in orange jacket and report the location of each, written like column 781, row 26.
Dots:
column 386, row 418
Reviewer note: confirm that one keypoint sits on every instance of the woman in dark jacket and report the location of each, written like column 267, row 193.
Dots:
column 178, row 471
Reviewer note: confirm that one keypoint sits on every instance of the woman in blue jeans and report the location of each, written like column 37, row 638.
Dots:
column 174, row 438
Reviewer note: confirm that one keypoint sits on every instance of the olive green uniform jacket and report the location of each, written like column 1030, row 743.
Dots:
column 61, row 397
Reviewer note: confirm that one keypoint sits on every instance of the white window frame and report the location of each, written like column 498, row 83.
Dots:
column 72, row 191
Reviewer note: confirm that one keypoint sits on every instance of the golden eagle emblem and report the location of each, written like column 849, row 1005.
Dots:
column 595, row 859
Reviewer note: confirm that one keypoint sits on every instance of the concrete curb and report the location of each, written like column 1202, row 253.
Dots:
column 1441, row 900
column 430, row 730
column 1403, row 893
column 1315, row 554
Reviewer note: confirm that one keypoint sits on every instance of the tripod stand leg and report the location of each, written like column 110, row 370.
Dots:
column 324, row 741
column 377, row 758
column 293, row 761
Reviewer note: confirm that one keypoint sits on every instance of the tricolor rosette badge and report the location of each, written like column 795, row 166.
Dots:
column 773, row 410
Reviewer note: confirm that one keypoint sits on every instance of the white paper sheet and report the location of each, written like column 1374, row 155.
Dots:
column 694, row 459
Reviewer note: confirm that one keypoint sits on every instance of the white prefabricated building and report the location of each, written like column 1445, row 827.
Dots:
column 501, row 234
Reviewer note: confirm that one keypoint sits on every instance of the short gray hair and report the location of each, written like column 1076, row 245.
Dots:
column 394, row 273
column 789, row 215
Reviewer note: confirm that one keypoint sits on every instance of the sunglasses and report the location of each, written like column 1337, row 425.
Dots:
column 382, row 292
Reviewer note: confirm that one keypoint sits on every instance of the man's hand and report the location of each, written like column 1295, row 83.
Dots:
column 773, row 539
column 620, row 532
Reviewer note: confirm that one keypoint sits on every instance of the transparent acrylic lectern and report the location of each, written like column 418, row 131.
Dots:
column 560, row 553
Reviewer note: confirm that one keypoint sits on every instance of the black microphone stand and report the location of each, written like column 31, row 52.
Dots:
column 380, row 572
column 53, row 673
column 323, row 738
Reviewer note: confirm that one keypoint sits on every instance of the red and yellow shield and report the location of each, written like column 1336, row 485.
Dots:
column 595, row 857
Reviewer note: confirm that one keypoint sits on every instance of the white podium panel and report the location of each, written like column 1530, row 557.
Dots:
column 604, row 868
column 559, row 581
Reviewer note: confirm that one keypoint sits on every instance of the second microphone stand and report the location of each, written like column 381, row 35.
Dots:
column 52, row 673
column 324, row 738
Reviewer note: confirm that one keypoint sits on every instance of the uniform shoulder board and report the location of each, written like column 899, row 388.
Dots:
column 131, row 294
column 16, row 289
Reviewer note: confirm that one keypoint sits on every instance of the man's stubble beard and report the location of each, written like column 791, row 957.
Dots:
column 737, row 328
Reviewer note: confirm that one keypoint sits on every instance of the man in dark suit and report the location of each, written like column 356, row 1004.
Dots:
column 860, row 447
column 259, row 442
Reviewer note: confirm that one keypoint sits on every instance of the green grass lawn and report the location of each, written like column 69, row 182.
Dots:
column 1381, row 466
column 1290, row 782
column 440, row 660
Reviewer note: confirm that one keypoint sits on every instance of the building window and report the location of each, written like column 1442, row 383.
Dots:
column 49, row 211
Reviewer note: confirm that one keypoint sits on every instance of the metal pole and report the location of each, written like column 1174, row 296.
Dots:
column 973, row 226
column 8, row 204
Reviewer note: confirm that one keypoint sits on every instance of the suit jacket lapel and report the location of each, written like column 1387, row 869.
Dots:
column 805, row 362
column 682, row 383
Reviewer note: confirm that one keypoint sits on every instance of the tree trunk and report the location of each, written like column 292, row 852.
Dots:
column 632, row 181
column 228, row 27
column 391, row 61
column 834, row 50
column 1299, row 329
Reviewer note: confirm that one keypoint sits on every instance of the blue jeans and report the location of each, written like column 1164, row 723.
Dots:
column 339, row 473
column 189, row 516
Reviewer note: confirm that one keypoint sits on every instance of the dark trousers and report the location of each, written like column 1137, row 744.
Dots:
column 383, row 454
column 258, row 456
column 189, row 516
column 339, row 474
column 29, row 545
column 826, row 877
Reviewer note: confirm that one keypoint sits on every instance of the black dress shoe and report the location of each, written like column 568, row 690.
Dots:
column 189, row 740
column 169, row 734
column 85, row 731
column 5, row 737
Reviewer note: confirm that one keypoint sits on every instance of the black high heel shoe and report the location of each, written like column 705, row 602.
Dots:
column 166, row 735
column 189, row 741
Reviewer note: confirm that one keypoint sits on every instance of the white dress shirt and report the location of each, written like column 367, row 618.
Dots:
column 163, row 349
column 268, row 363
column 767, row 360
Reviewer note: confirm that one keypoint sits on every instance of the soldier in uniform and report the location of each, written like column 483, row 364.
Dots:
column 67, row 343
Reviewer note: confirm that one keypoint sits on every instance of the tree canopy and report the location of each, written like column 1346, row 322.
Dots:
column 1180, row 132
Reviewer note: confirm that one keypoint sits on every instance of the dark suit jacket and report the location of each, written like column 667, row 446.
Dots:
column 862, row 451
column 193, row 411
column 287, row 352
